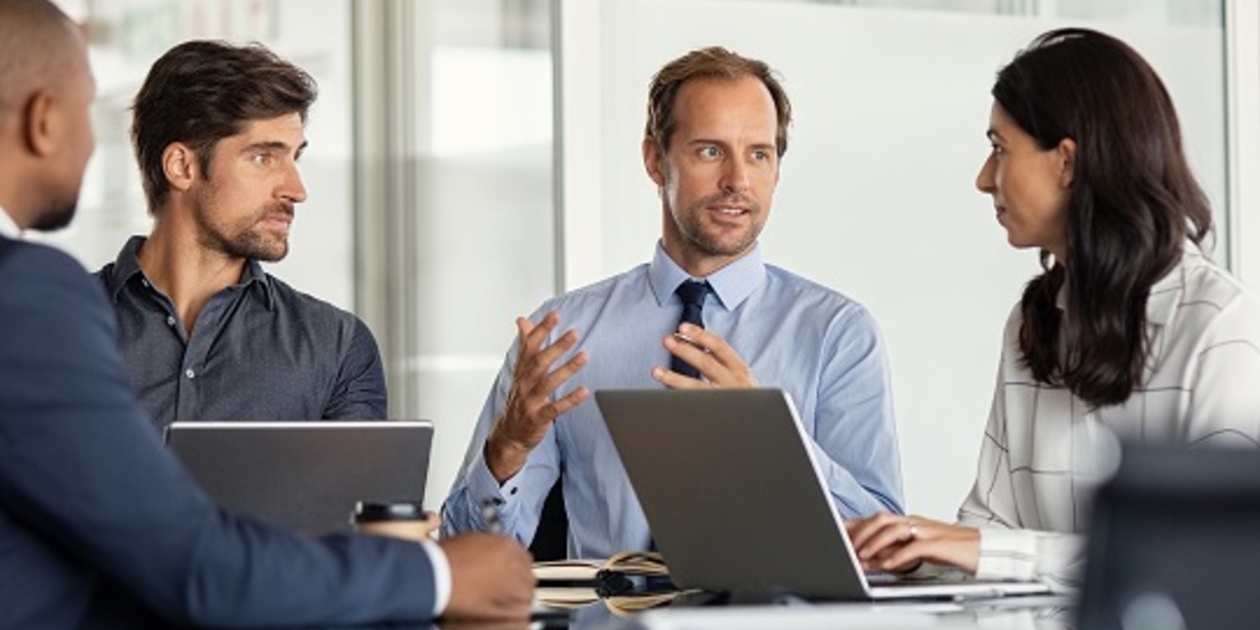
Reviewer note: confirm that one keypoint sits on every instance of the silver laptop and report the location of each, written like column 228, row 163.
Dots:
column 736, row 501
column 306, row 476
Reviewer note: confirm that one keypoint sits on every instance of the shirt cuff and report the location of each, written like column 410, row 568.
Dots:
column 482, row 485
column 441, row 576
column 1009, row 554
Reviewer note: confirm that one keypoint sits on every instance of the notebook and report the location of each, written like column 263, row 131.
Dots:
column 305, row 476
column 1174, row 541
column 733, row 494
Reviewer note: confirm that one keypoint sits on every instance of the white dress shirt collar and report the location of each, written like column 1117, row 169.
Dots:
column 8, row 227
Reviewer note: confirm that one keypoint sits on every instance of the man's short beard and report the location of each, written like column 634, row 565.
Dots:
column 690, row 226
column 54, row 220
column 247, row 246
column 714, row 247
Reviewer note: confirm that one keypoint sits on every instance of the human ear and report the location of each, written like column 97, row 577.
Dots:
column 1066, row 152
column 652, row 161
column 179, row 164
column 40, row 124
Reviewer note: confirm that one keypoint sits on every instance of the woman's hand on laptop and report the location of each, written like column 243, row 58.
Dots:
column 894, row 543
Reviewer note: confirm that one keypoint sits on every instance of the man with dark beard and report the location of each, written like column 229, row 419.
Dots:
column 716, row 131
column 207, row 334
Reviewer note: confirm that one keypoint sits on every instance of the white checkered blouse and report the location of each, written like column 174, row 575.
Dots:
column 1203, row 387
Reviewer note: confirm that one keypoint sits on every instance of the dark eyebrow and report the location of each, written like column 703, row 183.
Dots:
column 993, row 135
column 274, row 145
column 768, row 146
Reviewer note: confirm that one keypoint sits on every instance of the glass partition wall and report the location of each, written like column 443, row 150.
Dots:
column 454, row 198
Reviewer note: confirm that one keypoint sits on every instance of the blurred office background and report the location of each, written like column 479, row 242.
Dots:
column 470, row 158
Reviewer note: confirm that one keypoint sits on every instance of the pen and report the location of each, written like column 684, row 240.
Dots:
column 490, row 514
column 691, row 342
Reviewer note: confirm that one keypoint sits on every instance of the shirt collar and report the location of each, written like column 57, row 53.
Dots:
column 9, row 227
column 256, row 277
column 731, row 284
column 127, row 266
column 1168, row 290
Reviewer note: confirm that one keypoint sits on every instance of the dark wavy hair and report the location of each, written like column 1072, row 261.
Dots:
column 713, row 62
column 201, row 92
column 1132, row 205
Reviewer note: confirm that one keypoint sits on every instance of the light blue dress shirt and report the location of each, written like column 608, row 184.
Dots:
column 820, row 346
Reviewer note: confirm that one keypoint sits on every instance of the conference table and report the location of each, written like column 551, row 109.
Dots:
column 695, row 613
column 708, row 612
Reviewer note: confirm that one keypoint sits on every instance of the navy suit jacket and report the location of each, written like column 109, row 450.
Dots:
column 91, row 501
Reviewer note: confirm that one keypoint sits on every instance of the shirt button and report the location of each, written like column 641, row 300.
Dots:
column 190, row 373
column 170, row 320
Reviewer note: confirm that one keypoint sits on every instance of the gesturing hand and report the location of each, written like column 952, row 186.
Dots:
column 529, row 410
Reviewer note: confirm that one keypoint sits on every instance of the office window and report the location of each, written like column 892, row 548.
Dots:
column 485, row 244
column 455, row 198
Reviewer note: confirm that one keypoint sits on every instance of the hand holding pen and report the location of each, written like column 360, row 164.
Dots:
column 718, row 363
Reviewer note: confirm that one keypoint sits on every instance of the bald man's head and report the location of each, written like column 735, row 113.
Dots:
column 46, row 90
column 27, row 58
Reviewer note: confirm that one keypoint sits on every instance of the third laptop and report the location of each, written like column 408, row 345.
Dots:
column 733, row 493
column 305, row 476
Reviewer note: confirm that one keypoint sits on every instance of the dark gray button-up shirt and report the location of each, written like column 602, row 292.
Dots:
column 259, row 350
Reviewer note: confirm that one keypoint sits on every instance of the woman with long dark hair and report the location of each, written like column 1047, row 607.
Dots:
column 1130, row 330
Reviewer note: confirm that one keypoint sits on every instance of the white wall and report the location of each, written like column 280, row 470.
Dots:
column 876, row 197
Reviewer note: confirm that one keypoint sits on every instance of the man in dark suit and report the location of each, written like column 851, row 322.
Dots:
column 90, row 501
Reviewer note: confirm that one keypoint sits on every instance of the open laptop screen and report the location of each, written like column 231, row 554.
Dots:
column 733, row 492
column 305, row 476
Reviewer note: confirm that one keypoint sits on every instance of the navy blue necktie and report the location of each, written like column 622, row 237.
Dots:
column 692, row 294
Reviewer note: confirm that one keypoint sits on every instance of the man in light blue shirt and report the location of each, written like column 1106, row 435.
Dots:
column 716, row 130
